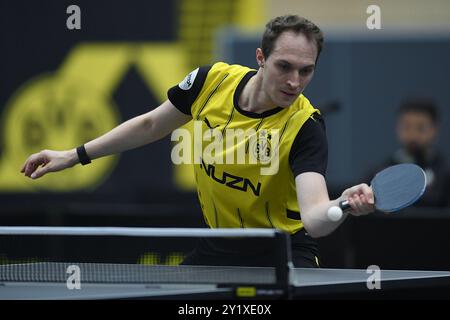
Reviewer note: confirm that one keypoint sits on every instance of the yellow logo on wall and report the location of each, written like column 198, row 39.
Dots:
column 73, row 105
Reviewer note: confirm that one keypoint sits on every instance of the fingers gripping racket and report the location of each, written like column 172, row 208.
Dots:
column 394, row 188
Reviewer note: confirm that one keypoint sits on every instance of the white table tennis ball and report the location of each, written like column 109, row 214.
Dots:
column 335, row 213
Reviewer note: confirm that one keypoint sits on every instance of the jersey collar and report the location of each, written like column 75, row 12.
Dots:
column 238, row 92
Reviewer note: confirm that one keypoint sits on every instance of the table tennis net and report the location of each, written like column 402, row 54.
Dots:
column 115, row 259
column 128, row 273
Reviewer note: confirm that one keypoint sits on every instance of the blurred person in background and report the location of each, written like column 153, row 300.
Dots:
column 417, row 130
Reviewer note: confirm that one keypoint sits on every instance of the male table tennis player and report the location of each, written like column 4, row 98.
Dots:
column 223, row 97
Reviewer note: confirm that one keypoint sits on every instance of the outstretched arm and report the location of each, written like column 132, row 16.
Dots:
column 314, row 202
column 136, row 132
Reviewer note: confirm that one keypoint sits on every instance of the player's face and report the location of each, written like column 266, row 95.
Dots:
column 289, row 68
column 415, row 130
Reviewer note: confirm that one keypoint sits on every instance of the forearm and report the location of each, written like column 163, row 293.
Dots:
column 131, row 134
column 316, row 220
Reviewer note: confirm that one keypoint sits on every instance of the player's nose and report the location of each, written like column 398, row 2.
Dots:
column 293, row 85
column 294, row 81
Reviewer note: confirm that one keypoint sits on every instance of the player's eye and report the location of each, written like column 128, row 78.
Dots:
column 305, row 72
column 284, row 67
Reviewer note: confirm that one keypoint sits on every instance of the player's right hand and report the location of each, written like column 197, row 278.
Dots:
column 360, row 198
column 46, row 161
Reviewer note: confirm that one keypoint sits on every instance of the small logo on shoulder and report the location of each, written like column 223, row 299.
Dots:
column 187, row 83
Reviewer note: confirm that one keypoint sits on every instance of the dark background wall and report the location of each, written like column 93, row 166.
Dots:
column 34, row 41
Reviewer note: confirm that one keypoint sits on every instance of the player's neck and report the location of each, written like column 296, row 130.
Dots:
column 253, row 98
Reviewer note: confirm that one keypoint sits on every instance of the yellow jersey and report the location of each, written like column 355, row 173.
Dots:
column 259, row 192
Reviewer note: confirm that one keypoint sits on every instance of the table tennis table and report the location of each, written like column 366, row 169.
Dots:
column 48, row 280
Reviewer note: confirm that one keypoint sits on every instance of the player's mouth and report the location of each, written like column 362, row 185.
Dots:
column 289, row 94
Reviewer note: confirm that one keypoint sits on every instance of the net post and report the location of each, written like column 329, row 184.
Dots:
column 284, row 264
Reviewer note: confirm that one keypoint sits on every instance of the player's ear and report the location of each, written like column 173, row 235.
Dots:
column 260, row 57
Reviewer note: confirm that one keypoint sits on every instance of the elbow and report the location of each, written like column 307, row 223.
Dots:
column 314, row 228
column 316, row 233
column 147, row 125
column 146, row 122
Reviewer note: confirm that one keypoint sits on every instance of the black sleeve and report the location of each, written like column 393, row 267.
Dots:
column 184, row 94
column 309, row 152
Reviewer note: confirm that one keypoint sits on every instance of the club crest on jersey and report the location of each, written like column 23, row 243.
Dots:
column 262, row 146
column 187, row 82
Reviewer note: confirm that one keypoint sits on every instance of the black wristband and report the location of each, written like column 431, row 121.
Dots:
column 82, row 155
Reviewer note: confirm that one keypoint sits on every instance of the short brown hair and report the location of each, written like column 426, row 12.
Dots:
column 278, row 25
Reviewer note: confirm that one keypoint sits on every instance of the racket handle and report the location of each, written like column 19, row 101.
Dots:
column 344, row 205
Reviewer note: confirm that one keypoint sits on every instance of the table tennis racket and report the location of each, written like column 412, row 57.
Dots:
column 394, row 188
